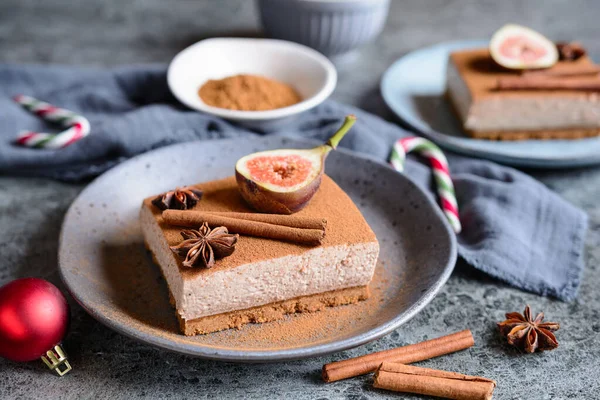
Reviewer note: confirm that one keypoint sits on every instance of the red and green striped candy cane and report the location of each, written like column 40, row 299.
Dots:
column 77, row 126
column 441, row 173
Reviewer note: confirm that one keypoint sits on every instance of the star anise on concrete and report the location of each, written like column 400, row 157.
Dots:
column 178, row 199
column 529, row 334
column 203, row 246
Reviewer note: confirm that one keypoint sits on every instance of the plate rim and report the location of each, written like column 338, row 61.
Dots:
column 449, row 142
column 269, row 355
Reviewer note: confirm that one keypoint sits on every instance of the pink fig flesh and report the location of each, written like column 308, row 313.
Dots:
column 518, row 47
column 283, row 181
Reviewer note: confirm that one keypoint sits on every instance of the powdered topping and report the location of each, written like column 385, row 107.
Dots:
column 248, row 93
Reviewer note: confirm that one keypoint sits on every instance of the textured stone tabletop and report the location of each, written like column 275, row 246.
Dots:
column 110, row 366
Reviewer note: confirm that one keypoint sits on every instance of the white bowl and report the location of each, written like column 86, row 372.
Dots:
column 308, row 71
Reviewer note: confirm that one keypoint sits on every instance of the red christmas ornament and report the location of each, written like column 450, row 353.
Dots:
column 34, row 317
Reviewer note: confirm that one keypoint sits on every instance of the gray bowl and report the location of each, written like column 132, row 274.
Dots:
column 331, row 27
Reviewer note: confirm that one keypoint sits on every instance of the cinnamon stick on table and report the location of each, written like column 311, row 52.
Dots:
column 407, row 354
column 292, row 221
column 195, row 219
column 537, row 83
column 432, row 382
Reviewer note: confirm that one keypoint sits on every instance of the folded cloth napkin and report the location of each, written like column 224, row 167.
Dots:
column 514, row 228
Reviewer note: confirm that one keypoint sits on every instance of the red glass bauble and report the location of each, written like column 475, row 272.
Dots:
column 34, row 317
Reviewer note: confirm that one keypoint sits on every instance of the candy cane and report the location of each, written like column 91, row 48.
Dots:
column 441, row 173
column 78, row 126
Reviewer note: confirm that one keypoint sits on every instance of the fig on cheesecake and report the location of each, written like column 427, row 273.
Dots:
column 283, row 181
column 518, row 47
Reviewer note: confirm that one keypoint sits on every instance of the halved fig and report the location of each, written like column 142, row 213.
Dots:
column 518, row 47
column 283, row 181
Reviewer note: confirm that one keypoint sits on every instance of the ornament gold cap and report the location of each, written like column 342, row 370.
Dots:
column 56, row 360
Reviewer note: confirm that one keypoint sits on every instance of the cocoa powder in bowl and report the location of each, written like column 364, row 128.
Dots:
column 248, row 93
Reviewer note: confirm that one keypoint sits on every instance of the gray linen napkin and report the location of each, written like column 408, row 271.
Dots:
column 514, row 228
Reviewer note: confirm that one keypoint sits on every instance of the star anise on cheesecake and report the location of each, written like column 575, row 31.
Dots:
column 203, row 246
column 570, row 51
column 529, row 334
column 178, row 199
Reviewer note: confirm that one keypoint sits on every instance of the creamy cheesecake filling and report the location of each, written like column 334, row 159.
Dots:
column 534, row 113
column 155, row 240
column 458, row 91
column 317, row 270
column 522, row 112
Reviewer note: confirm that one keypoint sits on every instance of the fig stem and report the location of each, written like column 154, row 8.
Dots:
column 337, row 137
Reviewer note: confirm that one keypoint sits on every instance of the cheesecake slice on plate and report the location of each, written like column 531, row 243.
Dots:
column 265, row 279
column 487, row 112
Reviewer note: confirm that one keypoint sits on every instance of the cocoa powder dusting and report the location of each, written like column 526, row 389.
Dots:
column 248, row 93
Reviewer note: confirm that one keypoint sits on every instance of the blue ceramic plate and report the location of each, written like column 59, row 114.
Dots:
column 413, row 87
column 103, row 262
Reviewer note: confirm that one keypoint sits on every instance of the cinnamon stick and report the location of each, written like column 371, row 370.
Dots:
column 432, row 382
column 407, row 354
column 563, row 72
column 536, row 83
column 292, row 221
column 244, row 227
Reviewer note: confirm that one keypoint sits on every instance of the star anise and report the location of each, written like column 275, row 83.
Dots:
column 203, row 246
column 570, row 51
column 529, row 334
column 179, row 199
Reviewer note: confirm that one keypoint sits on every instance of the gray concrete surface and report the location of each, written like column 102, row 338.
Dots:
column 110, row 366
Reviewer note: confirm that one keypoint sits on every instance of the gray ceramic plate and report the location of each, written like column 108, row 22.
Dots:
column 104, row 263
column 414, row 88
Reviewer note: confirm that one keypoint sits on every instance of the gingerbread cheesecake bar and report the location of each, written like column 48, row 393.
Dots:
column 490, row 110
column 265, row 279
